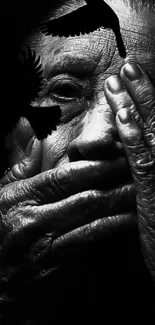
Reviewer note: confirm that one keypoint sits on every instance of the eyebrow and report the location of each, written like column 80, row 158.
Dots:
column 79, row 66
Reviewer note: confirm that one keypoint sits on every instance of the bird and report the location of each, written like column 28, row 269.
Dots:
column 29, row 78
column 22, row 82
column 86, row 19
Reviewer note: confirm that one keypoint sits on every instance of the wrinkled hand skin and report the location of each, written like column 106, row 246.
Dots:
column 132, row 98
column 37, row 205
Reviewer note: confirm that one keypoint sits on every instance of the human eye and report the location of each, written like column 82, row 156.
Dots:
column 65, row 88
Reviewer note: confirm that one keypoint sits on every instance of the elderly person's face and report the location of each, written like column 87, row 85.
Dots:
column 75, row 69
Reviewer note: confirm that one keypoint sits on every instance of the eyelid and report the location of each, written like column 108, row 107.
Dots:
column 66, row 76
column 85, row 86
column 65, row 80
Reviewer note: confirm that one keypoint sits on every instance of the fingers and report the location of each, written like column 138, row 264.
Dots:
column 84, row 207
column 141, row 90
column 26, row 154
column 66, row 215
column 133, row 101
column 101, row 229
column 133, row 90
column 59, row 183
column 18, row 140
column 140, row 157
column 118, row 97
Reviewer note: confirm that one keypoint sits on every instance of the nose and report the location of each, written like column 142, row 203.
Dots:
column 99, row 138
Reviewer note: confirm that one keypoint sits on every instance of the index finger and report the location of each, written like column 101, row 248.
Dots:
column 141, row 90
column 61, row 182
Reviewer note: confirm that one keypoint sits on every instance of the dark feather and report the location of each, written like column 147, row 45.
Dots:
column 29, row 84
column 43, row 119
column 74, row 23
column 86, row 19
column 16, row 24
column 29, row 76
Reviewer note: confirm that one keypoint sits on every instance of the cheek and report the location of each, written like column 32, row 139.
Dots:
column 55, row 146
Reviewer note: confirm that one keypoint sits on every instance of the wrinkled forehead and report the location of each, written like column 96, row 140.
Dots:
column 144, row 10
column 136, row 16
column 137, row 22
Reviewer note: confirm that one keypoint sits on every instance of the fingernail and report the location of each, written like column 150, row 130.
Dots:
column 6, row 171
column 124, row 115
column 132, row 71
column 30, row 145
column 114, row 84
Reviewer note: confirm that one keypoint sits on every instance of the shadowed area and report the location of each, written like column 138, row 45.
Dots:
column 21, row 78
column 86, row 19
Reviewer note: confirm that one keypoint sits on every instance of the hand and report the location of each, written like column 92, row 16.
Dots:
column 132, row 99
column 38, row 207
column 25, row 161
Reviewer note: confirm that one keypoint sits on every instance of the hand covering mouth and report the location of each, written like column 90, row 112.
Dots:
column 80, row 193
column 89, row 190
column 101, row 203
column 110, row 212
column 112, row 208
column 97, row 204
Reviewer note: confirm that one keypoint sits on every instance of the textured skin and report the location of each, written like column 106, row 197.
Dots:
column 104, row 268
column 76, row 23
column 138, row 136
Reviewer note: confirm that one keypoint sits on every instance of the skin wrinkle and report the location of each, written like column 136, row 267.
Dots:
column 61, row 156
column 130, row 47
column 140, row 23
column 105, row 67
column 61, row 148
column 95, row 122
column 101, row 39
column 85, row 47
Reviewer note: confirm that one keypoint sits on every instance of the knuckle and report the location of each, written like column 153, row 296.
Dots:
column 8, row 196
column 61, row 179
column 146, row 94
column 148, row 104
column 133, row 139
column 14, row 194
column 151, row 117
column 123, row 100
column 86, row 197
column 136, row 115
column 149, row 136
column 145, row 163
column 18, row 171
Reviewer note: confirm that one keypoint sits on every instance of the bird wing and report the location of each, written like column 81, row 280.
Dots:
column 80, row 21
column 43, row 119
column 28, row 85
column 86, row 19
column 29, row 76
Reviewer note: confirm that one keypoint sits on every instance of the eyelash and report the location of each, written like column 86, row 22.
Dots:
column 65, row 89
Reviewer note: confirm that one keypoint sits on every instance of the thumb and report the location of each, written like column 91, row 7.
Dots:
column 25, row 153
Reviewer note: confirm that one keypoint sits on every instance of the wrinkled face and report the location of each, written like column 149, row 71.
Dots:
column 75, row 69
